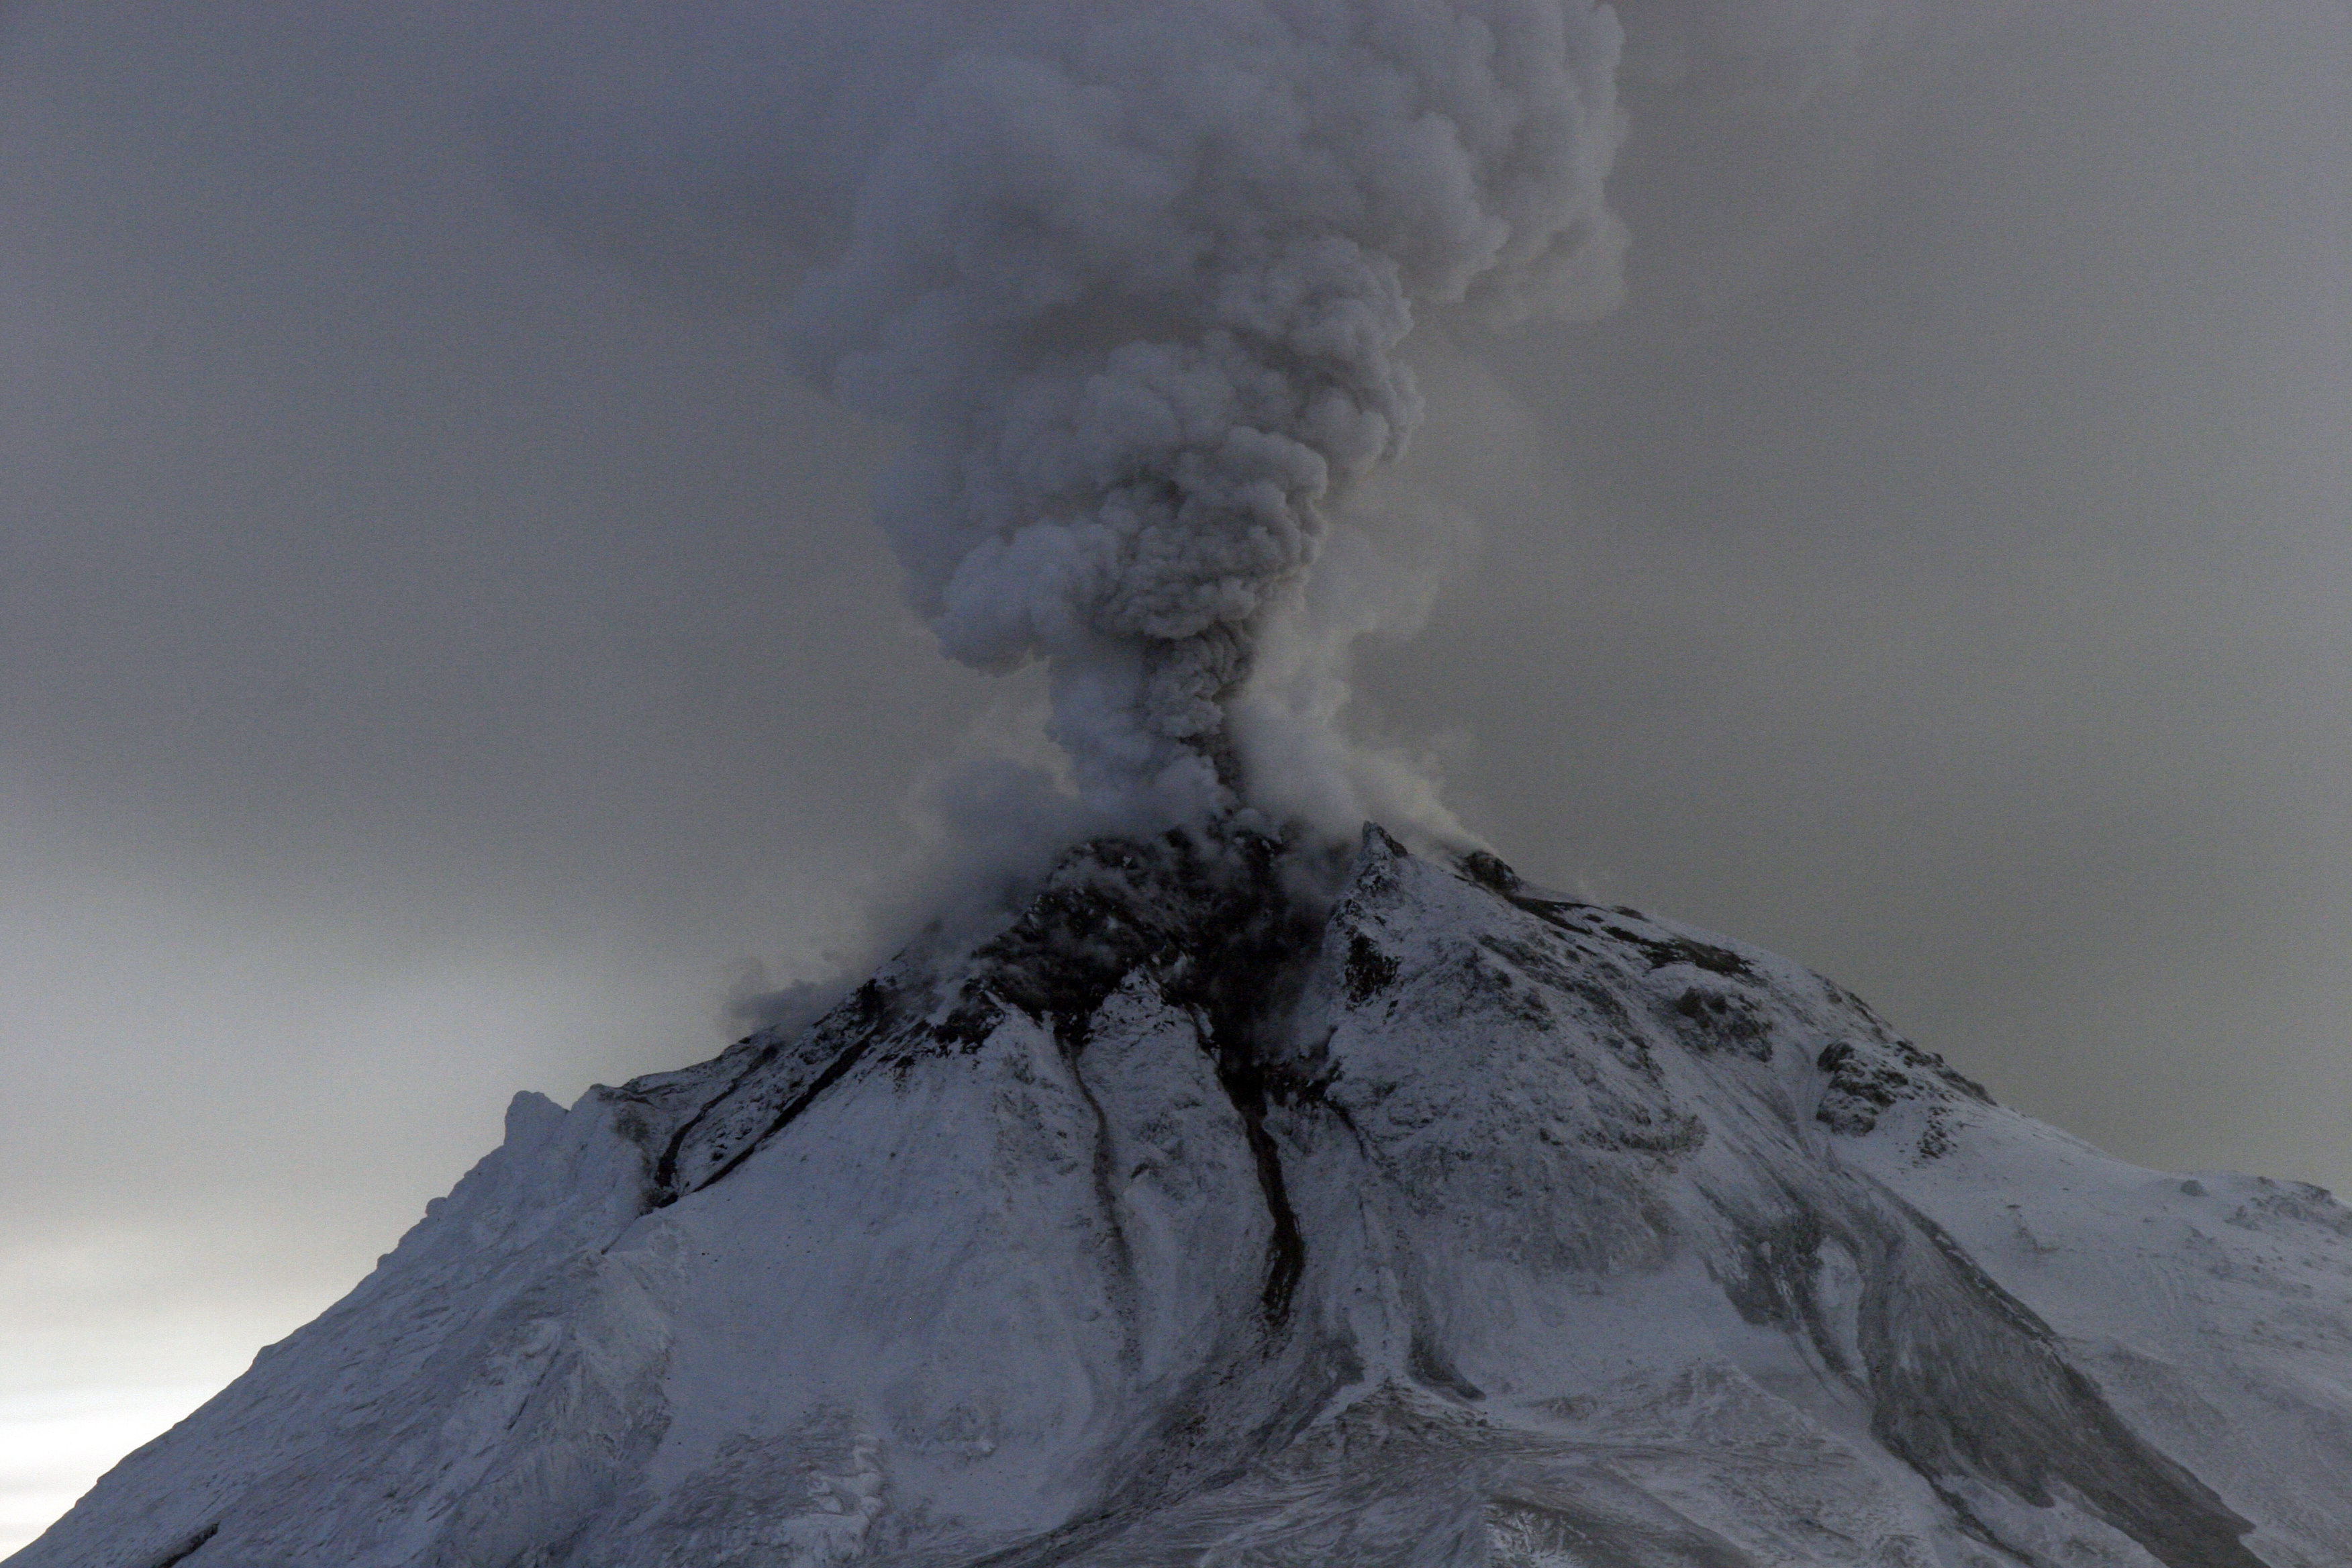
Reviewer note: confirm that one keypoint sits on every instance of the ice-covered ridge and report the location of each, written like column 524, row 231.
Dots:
column 1230, row 1208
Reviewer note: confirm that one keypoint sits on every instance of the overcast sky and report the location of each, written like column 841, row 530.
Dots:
column 443, row 652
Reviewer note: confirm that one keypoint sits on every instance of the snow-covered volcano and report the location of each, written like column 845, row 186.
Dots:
column 1199, row 1218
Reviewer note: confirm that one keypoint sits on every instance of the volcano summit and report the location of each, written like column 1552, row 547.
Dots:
column 1238, row 1206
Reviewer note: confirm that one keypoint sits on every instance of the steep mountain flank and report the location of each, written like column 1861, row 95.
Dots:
column 1237, row 1205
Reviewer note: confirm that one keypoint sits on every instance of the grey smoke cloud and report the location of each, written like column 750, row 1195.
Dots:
column 1133, row 281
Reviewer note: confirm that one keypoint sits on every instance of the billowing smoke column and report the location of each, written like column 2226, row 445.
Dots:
column 1133, row 276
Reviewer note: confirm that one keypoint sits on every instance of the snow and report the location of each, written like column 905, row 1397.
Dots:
column 1461, row 1223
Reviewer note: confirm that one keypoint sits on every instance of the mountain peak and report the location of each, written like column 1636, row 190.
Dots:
column 1244, row 1202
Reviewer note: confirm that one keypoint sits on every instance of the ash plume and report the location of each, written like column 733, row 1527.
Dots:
column 1132, row 279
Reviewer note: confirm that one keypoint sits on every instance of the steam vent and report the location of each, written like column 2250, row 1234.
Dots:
column 1429, row 1219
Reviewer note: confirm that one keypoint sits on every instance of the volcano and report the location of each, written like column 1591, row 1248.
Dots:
column 1240, row 1206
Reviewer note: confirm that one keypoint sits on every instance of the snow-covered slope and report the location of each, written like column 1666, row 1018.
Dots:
column 1196, row 1219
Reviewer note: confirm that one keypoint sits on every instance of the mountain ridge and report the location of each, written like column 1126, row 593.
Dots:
column 1238, row 1204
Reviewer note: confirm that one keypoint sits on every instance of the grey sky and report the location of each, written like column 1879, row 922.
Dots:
column 440, row 659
